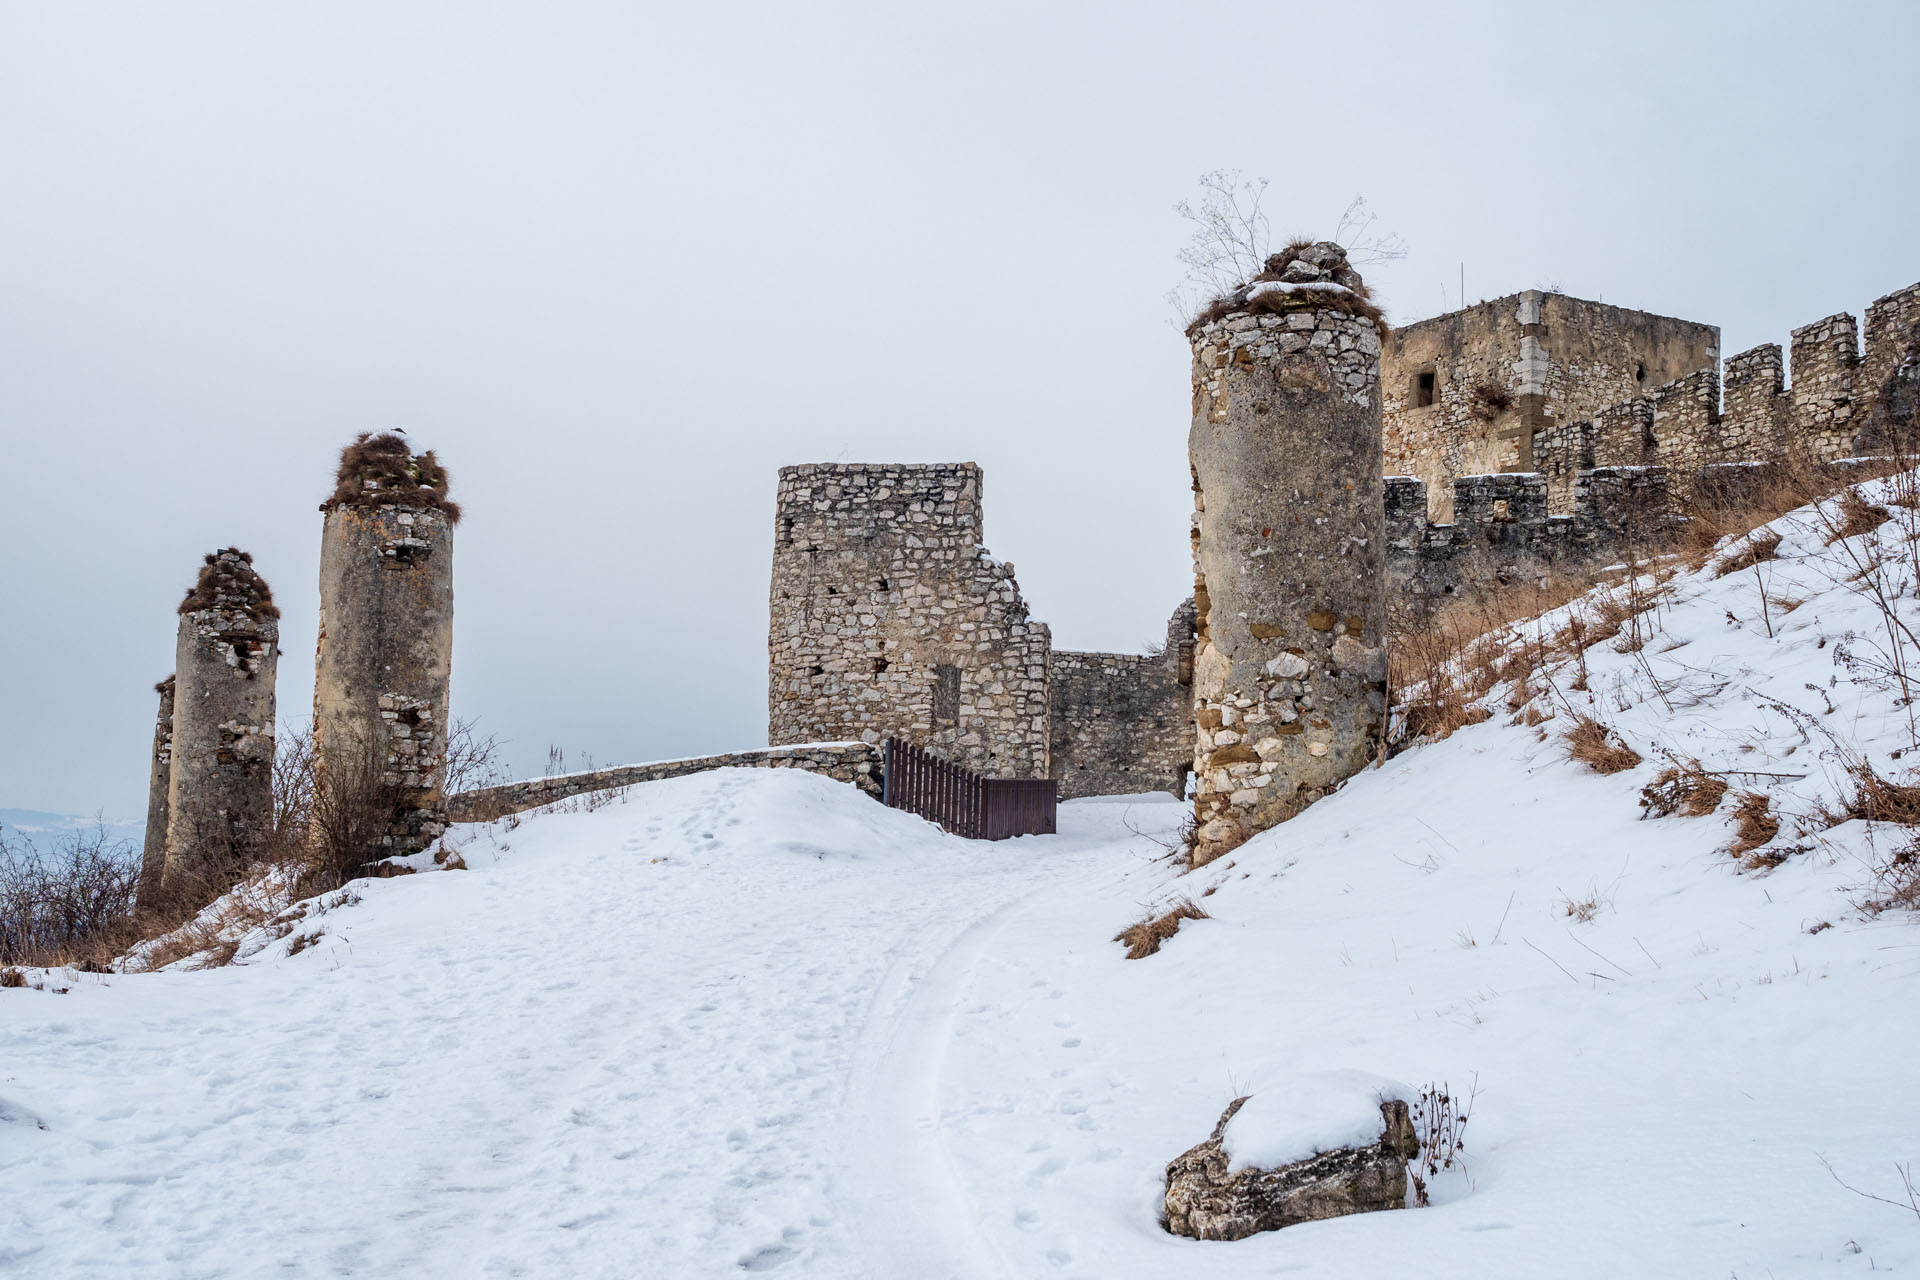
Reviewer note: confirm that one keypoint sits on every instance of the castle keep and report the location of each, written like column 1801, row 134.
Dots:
column 1468, row 392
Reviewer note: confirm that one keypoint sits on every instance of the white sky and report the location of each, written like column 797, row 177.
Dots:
column 618, row 262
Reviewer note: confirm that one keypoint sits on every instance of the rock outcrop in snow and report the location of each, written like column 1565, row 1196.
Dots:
column 1208, row 1200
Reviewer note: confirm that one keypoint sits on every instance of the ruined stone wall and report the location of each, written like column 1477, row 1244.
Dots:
column 383, row 661
column 1839, row 402
column 1503, row 534
column 1123, row 722
column 889, row 618
column 220, row 759
column 1519, row 370
column 851, row 762
column 1289, row 553
column 153, row 853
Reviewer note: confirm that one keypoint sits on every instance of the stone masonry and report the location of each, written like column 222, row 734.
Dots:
column 852, row 762
column 889, row 618
column 384, row 658
column 1290, row 669
column 1123, row 722
column 220, row 760
column 153, row 854
column 1840, row 403
column 1470, row 392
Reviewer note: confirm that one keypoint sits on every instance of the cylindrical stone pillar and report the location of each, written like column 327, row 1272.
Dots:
column 153, row 854
column 385, row 652
column 1290, row 669
column 220, row 788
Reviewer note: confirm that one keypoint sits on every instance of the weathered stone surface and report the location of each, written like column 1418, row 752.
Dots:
column 384, row 658
column 888, row 618
column 854, row 762
column 1289, row 549
column 1123, row 722
column 220, row 757
column 153, row 854
column 1206, row 1202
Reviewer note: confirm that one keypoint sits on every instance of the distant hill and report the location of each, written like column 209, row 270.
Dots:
column 45, row 830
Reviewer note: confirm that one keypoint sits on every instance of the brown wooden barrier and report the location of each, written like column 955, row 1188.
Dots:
column 963, row 802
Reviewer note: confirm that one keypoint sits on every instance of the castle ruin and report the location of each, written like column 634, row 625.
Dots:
column 384, row 658
column 220, row 758
column 1289, row 549
column 153, row 853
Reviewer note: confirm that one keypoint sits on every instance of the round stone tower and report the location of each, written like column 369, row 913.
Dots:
column 220, row 768
column 385, row 652
column 1290, row 666
column 153, row 854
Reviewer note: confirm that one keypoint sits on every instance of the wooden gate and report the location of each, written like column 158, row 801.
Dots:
column 963, row 802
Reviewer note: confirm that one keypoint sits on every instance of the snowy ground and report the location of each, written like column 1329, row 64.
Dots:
column 753, row 1021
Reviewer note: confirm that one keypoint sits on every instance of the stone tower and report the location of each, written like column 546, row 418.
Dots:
column 889, row 619
column 1290, row 667
column 153, row 854
column 385, row 652
column 220, row 775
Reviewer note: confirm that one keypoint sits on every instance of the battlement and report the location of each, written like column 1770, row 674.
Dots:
column 1503, row 533
column 1838, row 403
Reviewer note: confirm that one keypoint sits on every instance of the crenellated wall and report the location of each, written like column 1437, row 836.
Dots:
column 1837, row 403
column 1503, row 533
column 1472, row 391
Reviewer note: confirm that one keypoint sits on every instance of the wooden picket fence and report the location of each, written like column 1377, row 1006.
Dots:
column 963, row 802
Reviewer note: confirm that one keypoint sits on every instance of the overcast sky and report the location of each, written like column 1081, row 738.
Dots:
column 618, row 262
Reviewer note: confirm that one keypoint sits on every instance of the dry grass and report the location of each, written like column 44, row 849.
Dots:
column 1683, row 788
column 1356, row 301
column 1753, row 549
column 227, row 581
column 1599, row 747
column 12, row 978
column 383, row 471
column 1896, row 882
column 1144, row 938
column 1857, row 516
column 1754, row 823
column 1488, row 400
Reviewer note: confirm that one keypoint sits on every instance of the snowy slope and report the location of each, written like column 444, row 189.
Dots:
column 753, row 1021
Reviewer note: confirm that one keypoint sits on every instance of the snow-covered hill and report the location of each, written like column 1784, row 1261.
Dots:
column 753, row 1021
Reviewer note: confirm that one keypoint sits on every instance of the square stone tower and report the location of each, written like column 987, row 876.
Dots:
column 889, row 619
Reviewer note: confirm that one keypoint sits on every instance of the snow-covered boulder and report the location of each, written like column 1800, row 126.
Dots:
column 1234, row 1184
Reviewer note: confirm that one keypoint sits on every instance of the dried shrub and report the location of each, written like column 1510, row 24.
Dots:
column 1599, row 747
column 1683, row 788
column 1355, row 299
column 12, row 978
column 1896, row 882
column 1877, row 799
column 1144, row 938
column 1755, row 548
column 1440, row 1123
column 1488, row 400
column 71, row 906
column 1754, row 823
column 227, row 581
column 383, row 471
column 1856, row 516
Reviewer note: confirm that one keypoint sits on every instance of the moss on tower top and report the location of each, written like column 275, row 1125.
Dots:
column 228, row 582
column 383, row 471
column 1307, row 275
